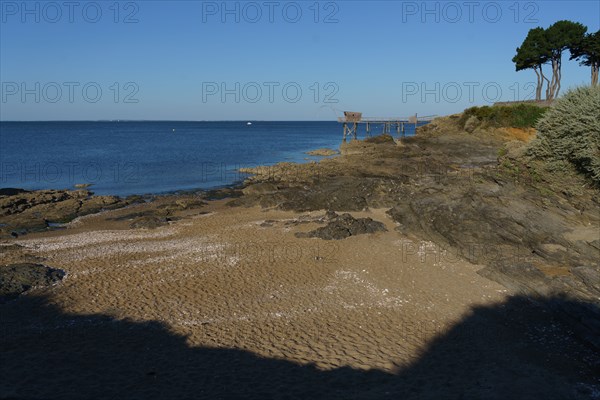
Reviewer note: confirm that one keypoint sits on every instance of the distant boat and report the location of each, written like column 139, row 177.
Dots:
column 248, row 123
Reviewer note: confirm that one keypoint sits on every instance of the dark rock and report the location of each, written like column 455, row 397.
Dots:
column 190, row 204
column 11, row 191
column 135, row 199
column 223, row 193
column 260, row 188
column 18, row 278
column 148, row 222
column 582, row 318
column 521, row 278
column 405, row 218
column 10, row 247
column 330, row 215
column 590, row 277
column 23, row 211
column 343, row 226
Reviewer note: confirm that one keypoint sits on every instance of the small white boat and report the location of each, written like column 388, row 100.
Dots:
column 248, row 123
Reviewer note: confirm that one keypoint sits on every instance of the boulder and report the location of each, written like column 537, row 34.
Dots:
column 18, row 278
column 344, row 226
column 471, row 124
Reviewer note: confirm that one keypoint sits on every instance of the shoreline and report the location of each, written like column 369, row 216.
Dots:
column 208, row 159
column 85, row 192
column 238, row 184
column 391, row 262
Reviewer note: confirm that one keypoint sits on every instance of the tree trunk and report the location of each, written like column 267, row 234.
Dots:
column 558, row 78
column 595, row 67
column 547, row 83
column 540, row 83
column 552, row 83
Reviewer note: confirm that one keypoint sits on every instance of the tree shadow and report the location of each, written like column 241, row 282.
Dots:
column 515, row 350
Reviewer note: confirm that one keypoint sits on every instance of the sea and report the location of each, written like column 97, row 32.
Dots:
column 154, row 157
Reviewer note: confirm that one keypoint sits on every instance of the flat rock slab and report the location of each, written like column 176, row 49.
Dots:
column 323, row 152
column 24, row 211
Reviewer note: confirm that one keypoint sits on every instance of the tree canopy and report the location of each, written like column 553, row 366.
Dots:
column 587, row 52
column 560, row 36
column 546, row 46
column 533, row 53
column 534, row 50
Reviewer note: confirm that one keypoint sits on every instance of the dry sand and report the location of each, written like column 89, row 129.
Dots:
column 223, row 280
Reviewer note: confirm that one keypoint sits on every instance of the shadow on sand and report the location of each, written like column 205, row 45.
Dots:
column 514, row 350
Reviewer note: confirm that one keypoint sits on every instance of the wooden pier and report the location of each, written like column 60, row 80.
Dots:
column 352, row 119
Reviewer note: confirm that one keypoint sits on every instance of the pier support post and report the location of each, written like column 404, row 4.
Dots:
column 350, row 130
column 386, row 127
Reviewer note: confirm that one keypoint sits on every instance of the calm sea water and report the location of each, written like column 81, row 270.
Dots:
column 123, row 158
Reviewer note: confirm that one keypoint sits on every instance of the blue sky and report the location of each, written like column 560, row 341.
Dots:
column 278, row 60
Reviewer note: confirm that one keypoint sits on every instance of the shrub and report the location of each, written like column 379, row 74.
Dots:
column 570, row 131
column 515, row 116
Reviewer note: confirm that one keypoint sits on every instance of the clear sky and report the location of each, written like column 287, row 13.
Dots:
column 268, row 60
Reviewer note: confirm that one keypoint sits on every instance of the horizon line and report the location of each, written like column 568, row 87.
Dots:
column 173, row 120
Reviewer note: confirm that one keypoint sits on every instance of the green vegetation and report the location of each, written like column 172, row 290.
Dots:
column 546, row 46
column 561, row 36
column 516, row 116
column 570, row 132
column 587, row 52
column 533, row 55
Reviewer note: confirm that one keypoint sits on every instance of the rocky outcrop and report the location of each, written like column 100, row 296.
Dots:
column 322, row 152
column 343, row 226
column 16, row 279
column 536, row 232
column 471, row 124
column 25, row 211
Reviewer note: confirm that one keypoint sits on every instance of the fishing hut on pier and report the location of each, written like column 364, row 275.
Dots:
column 352, row 119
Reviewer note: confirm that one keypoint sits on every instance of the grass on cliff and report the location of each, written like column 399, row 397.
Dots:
column 515, row 116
